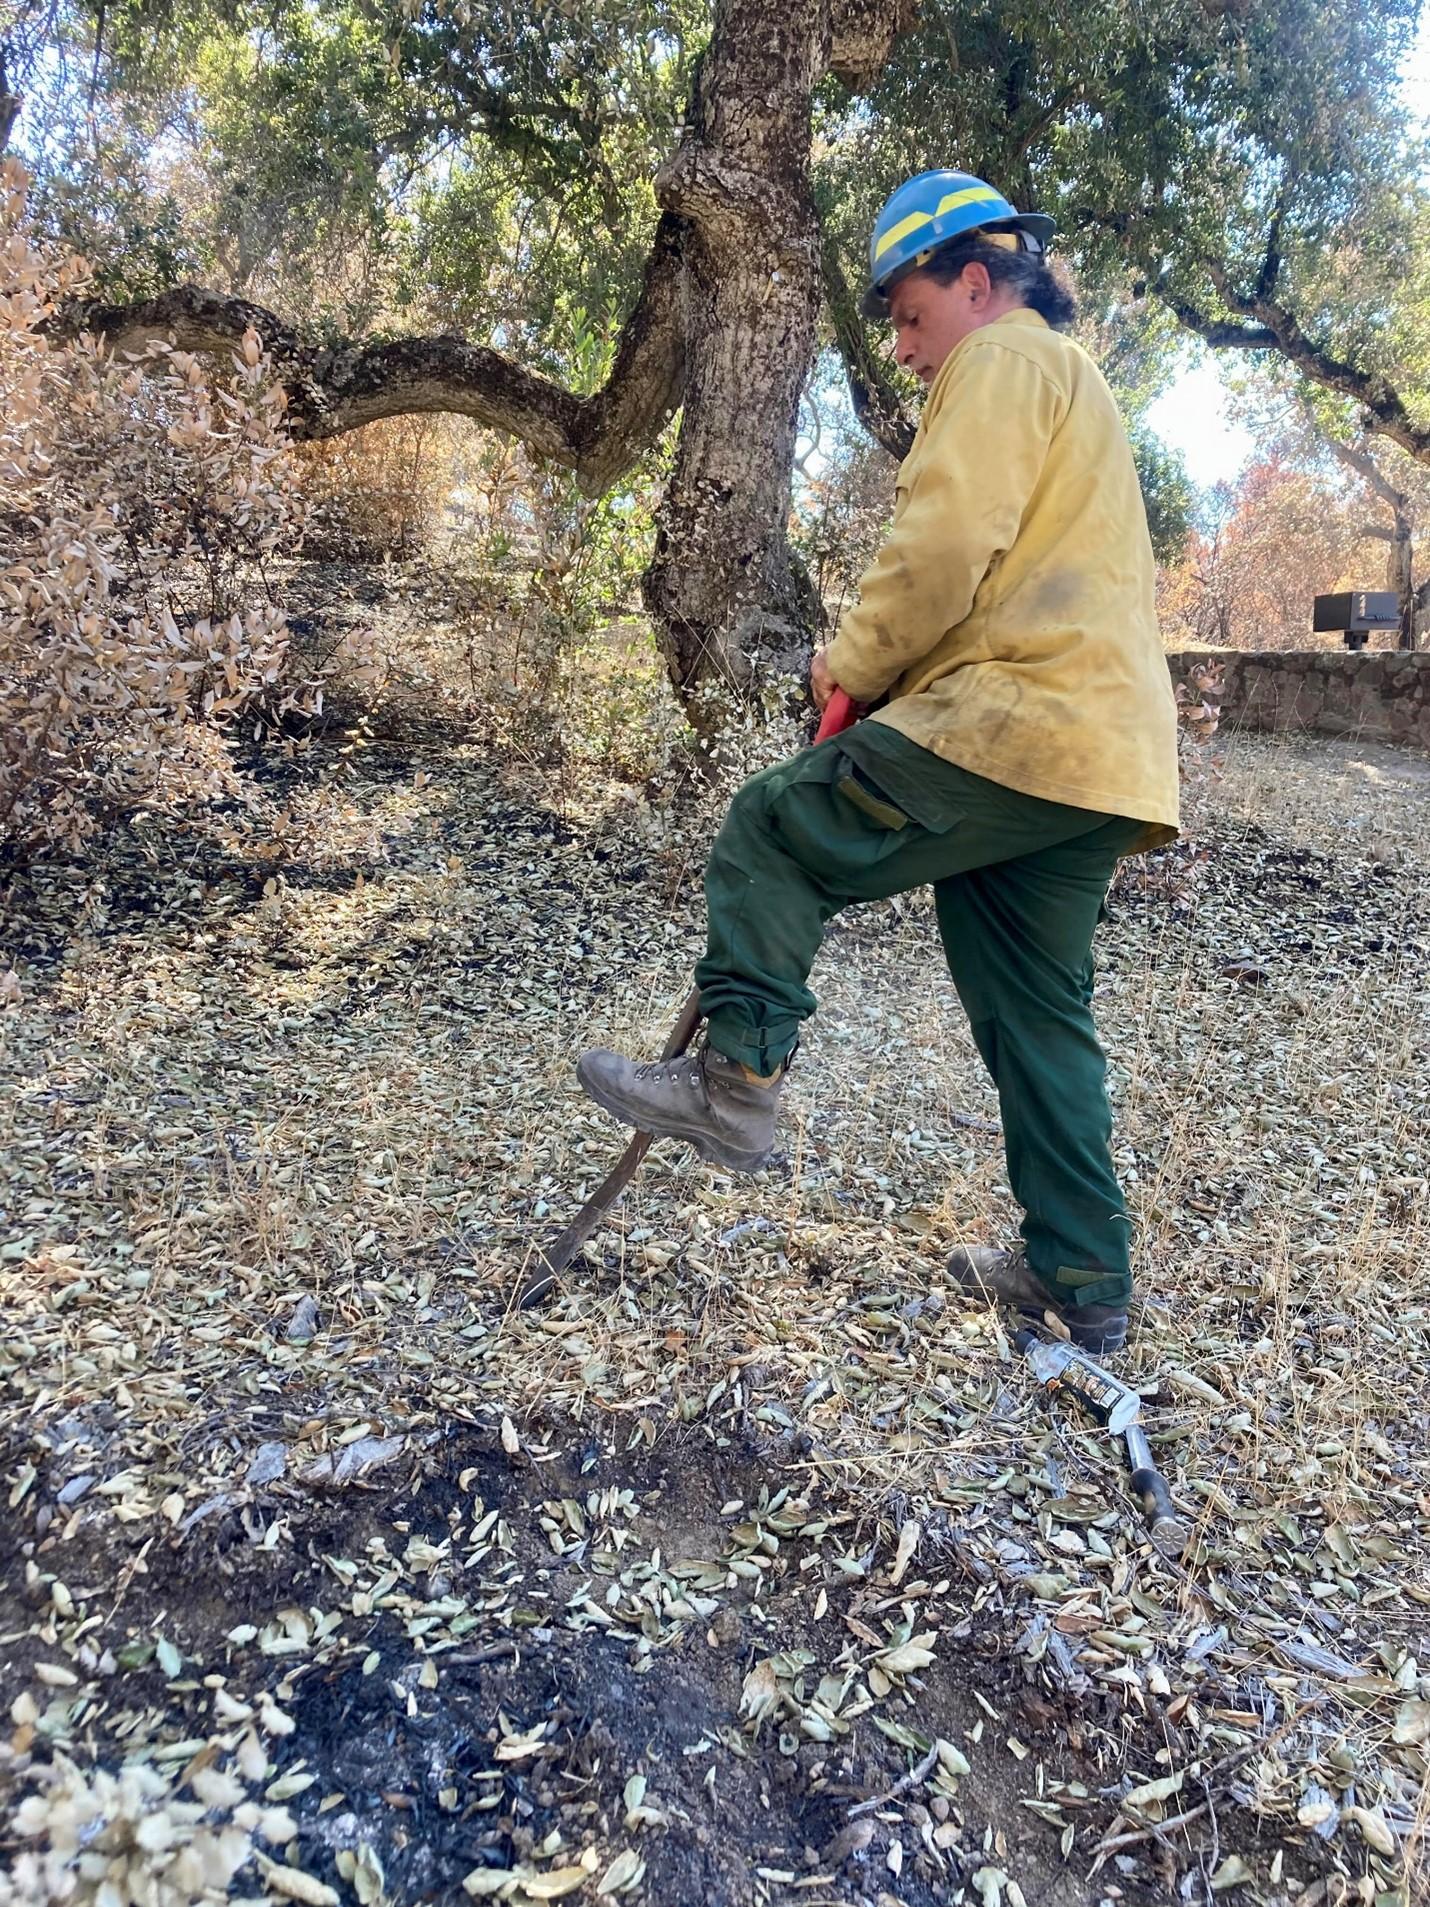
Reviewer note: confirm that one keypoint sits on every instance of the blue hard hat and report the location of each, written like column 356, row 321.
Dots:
column 925, row 213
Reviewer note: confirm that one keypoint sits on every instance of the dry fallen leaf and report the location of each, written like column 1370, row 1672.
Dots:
column 1412, row 1723
column 624, row 1871
column 555, row 1883
column 291, row 1883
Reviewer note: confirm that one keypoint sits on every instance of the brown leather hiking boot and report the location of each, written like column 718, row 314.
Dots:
column 1005, row 1277
column 722, row 1109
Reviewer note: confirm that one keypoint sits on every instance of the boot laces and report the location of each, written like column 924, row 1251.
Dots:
column 673, row 1068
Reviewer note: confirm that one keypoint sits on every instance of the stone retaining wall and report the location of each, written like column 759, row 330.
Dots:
column 1380, row 695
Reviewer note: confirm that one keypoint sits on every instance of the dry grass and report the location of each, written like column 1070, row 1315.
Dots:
column 351, row 1081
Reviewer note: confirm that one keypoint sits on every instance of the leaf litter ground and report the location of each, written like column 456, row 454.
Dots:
column 749, row 1569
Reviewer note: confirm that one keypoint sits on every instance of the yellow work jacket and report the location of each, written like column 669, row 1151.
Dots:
column 1009, row 618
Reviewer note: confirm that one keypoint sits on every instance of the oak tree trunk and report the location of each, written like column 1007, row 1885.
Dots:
column 732, row 605
column 722, row 586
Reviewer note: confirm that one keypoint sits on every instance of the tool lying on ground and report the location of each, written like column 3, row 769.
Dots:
column 547, row 1263
column 1062, row 1367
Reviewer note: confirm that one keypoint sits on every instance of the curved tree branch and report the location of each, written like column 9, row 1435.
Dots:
column 1221, row 333
column 647, row 379
column 1264, row 324
column 333, row 389
column 876, row 403
column 1370, row 473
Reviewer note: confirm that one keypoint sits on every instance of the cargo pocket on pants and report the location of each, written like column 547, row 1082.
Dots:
column 856, row 786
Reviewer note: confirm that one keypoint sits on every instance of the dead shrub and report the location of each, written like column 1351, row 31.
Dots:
column 143, row 505
column 377, row 492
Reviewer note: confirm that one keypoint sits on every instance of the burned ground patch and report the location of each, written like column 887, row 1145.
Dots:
column 514, row 1660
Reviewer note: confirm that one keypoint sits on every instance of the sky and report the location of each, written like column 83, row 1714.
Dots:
column 1197, row 414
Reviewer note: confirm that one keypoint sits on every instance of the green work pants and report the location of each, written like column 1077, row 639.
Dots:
column 1018, row 884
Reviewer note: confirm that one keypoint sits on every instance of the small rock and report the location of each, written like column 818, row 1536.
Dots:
column 304, row 1322
column 269, row 1462
column 727, row 1627
column 851, row 1839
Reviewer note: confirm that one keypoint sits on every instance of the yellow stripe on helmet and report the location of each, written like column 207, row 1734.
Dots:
column 970, row 195
column 901, row 230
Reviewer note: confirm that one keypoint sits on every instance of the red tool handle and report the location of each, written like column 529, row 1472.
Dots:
column 840, row 712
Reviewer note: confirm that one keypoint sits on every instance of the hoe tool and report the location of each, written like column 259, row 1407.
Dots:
column 546, row 1263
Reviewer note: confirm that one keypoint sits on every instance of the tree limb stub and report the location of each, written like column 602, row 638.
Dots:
column 862, row 36
column 333, row 389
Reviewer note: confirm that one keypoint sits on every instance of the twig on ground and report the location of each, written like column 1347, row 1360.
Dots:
column 900, row 1787
column 1114, row 1844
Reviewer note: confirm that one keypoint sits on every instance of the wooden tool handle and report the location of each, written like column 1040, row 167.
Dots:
column 540, row 1281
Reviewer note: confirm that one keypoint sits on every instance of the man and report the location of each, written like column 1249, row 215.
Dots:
column 1025, row 738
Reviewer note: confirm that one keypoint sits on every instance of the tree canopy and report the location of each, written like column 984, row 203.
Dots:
column 547, row 185
column 1246, row 164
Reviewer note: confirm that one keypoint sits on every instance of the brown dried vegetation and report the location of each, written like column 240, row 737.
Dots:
column 144, row 506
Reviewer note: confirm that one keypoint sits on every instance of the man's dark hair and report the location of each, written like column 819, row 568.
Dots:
column 1027, row 273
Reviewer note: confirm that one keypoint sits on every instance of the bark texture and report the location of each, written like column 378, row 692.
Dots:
column 722, row 586
column 726, row 595
column 338, row 388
